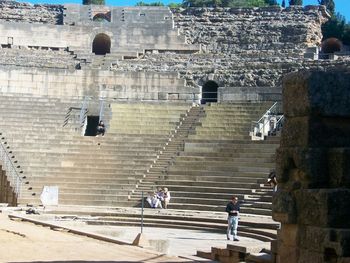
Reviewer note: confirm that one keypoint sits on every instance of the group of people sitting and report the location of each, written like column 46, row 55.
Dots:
column 159, row 198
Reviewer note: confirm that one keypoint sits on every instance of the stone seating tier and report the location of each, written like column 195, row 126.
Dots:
column 211, row 168
column 119, row 160
column 37, row 58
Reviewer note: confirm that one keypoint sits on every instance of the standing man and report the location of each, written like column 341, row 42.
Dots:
column 232, row 209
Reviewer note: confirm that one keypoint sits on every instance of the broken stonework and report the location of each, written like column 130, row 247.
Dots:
column 313, row 169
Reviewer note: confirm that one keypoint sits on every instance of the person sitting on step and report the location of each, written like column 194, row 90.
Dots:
column 153, row 199
column 272, row 180
column 166, row 197
column 101, row 129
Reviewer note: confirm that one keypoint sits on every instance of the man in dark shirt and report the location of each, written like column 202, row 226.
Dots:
column 232, row 209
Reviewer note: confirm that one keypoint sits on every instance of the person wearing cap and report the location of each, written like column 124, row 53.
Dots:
column 232, row 210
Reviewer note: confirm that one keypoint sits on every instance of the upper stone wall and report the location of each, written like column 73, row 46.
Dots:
column 27, row 13
column 222, row 30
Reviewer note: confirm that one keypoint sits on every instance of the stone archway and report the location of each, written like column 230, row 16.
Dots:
column 100, row 17
column 210, row 92
column 101, row 44
column 331, row 45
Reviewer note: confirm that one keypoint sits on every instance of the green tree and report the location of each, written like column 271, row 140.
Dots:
column 93, row 2
column 227, row 3
column 346, row 35
column 335, row 27
column 283, row 3
column 295, row 2
column 329, row 5
column 174, row 5
column 271, row 2
column 141, row 3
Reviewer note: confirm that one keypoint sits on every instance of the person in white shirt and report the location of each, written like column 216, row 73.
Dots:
column 166, row 197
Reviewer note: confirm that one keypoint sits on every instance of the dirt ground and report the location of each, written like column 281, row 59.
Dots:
column 27, row 242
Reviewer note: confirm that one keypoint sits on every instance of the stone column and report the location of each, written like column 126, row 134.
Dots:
column 313, row 169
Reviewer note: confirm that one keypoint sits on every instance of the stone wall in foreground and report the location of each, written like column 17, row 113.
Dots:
column 313, row 169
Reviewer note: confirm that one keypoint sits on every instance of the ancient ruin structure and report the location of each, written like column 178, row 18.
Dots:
column 312, row 201
column 243, row 52
column 178, row 91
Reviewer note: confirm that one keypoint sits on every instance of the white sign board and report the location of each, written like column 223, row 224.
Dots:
column 49, row 195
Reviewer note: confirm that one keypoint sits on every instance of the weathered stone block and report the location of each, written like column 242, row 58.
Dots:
column 307, row 256
column 317, row 93
column 323, row 207
column 274, row 246
column 288, row 254
column 327, row 241
column 162, row 96
column 288, row 234
column 284, row 207
column 316, row 132
column 339, row 167
column 298, row 167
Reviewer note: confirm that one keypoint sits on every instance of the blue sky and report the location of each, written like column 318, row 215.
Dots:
column 342, row 6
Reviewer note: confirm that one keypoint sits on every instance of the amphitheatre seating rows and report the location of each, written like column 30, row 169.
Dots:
column 88, row 170
column 212, row 168
column 37, row 58
column 146, row 118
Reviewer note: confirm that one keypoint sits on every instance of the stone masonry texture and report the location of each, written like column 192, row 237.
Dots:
column 312, row 202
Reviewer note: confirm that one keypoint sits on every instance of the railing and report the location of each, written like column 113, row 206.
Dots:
column 70, row 115
column 83, row 111
column 102, row 105
column 268, row 124
column 11, row 171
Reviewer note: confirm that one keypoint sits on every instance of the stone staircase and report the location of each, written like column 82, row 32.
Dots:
column 88, row 170
column 218, row 160
column 173, row 147
column 105, row 62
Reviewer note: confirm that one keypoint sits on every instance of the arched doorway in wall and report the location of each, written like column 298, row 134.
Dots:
column 210, row 92
column 101, row 44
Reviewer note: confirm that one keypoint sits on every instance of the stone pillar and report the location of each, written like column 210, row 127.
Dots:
column 313, row 169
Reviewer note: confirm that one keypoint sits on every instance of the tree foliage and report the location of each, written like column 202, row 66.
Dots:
column 337, row 27
column 295, row 2
column 93, row 2
column 174, row 5
column 228, row 3
column 329, row 5
column 141, row 3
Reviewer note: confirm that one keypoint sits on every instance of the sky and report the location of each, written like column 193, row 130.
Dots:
column 342, row 6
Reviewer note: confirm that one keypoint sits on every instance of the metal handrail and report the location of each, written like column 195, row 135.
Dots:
column 11, row 171
column 83, row 111
column 68, row 115
column 267, row 112
column 262, row 127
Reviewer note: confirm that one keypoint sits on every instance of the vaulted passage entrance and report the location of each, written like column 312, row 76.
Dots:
column 209, row 92
column 91, row 127
column 101, row 44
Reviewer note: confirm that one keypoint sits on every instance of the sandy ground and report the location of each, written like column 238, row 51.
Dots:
column 27, row 242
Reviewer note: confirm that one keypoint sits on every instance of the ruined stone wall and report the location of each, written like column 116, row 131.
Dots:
column 233, row 30
column 245, row 51
column 27, row 13
column 313, row 169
